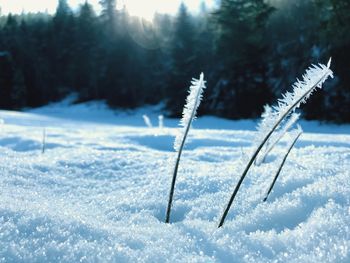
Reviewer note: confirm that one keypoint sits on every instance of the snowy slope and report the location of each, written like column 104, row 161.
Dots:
column 99, row 192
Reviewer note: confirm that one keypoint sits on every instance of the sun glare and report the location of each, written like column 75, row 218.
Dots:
column 19, row 6
column 142, row 8
column 147, row 9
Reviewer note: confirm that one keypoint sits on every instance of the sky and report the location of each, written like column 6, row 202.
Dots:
column 135, row 7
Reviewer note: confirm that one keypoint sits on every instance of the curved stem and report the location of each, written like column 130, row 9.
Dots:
column 172, row 188
column 228, row 206
column 280, row 167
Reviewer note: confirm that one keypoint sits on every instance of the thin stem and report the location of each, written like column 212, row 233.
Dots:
column 270, row 146
column 43, row 141
column 280, row 167
column 172, row 188
column 228, row 206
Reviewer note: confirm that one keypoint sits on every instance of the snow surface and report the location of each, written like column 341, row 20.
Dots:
column 99, row 192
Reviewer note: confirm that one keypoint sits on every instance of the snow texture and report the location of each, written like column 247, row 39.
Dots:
column 99, row 192
column 190, row 110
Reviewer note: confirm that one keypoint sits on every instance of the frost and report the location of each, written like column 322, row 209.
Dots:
column 147, row 121
column 190, row 109
column 188, row 115
column 275, row 138
column 160, row 121
column 312, row 79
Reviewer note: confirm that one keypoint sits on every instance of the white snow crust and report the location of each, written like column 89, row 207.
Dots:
column 99, row 192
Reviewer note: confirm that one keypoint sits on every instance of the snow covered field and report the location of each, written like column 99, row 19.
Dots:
column 99, row 192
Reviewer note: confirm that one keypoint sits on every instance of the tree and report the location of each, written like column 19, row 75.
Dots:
column 335, row 29
column 61, row 49
column 109, row 15
column 183, row 61
column 242, row 45
column 294, row 45
column 6, row 80
column 87, row 57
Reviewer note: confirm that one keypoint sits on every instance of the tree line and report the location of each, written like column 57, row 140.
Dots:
column 249, row 50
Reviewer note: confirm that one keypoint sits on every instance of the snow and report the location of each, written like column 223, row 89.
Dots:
column 99, row 192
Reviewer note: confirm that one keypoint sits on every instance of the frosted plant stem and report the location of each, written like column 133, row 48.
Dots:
column 160, row 121
column 167, row 219
column 189, row 114
column 281, row 118
column 43, row 141
column 227, row 209
column 281, row 165
column 147, row 121
column 290, row 123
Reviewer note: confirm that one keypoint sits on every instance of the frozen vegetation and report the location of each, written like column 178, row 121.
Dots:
column 99, row 191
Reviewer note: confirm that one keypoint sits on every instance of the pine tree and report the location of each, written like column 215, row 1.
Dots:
column 62, row 39
column 109, row 16
column 87, row 53
column 241, row 44
column 6, row 79
column 183, row 60
column 335, row 35
column 294, row 44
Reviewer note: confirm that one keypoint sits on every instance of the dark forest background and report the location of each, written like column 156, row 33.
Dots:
column 249, row 50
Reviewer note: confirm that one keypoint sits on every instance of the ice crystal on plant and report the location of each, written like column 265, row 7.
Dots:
column 190, row 109
column 313, row 78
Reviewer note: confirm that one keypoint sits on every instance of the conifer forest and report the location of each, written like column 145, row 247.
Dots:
column 249, row 50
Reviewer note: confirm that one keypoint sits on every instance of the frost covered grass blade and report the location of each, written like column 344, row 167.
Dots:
column 160, row 121
column 278, row 136
column 147, row 121
column 314, row 77
column 188, row 115
column 297, row 133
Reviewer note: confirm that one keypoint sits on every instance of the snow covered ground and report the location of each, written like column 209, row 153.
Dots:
column 99, row 192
